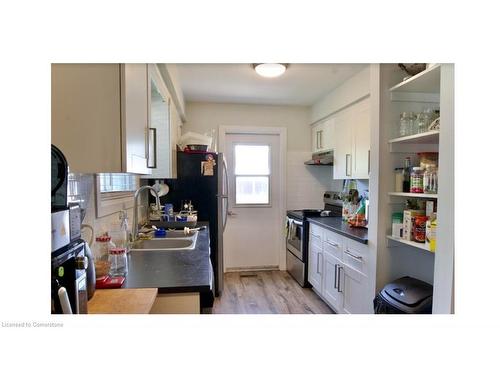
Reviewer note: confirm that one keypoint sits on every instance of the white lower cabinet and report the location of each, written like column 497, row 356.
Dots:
column 314, row 271
column 338, row 271
column 330, row 281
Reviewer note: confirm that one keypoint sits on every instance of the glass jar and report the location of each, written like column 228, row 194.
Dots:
column 399, row 179
column 118, row 260
column 423, row 121
column 406, row 123
column 417, row 180
column 105, row 244
column 430, row 180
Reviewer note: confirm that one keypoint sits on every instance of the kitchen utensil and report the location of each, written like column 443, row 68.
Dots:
column 191, row 230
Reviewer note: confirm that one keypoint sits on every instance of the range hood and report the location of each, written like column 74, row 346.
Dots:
column 321, row 158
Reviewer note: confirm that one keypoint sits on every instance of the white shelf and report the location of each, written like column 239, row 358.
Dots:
column 427, row 81
column 430, row 137
column 413, row 195
column 421, row 246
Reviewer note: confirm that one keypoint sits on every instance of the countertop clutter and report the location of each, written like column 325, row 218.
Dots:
column 336, row 224
column 172, row 271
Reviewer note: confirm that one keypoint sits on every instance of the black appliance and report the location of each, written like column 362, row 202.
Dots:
column 69, row 279
column 59, row 180
column 297, row 237
column 208, row 195
column 404, row 296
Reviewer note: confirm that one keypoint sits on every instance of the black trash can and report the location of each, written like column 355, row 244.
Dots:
column 404, row 296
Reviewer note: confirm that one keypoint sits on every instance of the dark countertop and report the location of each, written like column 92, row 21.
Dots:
column 174, row 271
column 337, row 225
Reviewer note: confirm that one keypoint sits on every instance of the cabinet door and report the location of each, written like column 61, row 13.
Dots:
column 331, row 268
column 353, row 286
column 315, row 266
column 86, row 118
column 342, row 147
column 361, row 141
column 159, row 113
column 317, row 137
column 135, row 118
column 328, row 134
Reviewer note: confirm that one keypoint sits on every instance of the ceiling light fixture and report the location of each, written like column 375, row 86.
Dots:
column 270, row 70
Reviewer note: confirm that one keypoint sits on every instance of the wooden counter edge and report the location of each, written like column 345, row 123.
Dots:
column 122, row 301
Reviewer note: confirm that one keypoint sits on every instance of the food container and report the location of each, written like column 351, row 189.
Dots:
column 399, row 179
column 408, row 223
column 397, row 224
column 118, row 260
column 417, row 180
column 419, row 228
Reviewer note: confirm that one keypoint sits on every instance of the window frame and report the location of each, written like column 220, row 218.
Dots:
column 269, row 176
column 113, row 202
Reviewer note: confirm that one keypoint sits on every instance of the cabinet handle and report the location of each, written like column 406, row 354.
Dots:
column 333, row 244
column 318, row 268
column 315, row 235
column 358, row 257
column 321, row 139
column 368, row 161
column 152, row 165
column 338, row 284
column 335, row 277
column 317, row 140
column 348, row 164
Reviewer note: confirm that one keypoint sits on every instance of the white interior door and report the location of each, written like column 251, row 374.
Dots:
column 254, row 230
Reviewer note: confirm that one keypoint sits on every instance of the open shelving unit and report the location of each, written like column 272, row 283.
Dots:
column 421, row 246
column 427, row 81
column 413, row 195
column 432, row 88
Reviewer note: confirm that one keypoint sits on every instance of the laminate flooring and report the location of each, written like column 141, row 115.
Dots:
column 266, row 292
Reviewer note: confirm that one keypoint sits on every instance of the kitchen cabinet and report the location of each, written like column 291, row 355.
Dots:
column 322, row 136
column 100, row 116
column 338, row 268
column 330, row 280
column 314, row 266
column 162, row 132
column 351, row 143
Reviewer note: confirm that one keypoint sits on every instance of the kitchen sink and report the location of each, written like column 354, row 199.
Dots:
column 173, row 241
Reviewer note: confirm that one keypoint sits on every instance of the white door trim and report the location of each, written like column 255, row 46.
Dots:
column 281, row 132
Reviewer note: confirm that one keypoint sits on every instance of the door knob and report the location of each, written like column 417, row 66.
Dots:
column 232, row 213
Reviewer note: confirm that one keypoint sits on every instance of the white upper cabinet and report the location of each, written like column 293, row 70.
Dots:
column 322, row 136
column 100, row 116
column 162, row 127
column 361, row 142
column 351, row 143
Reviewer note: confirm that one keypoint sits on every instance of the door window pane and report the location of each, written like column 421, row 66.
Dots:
column 252, row 174
column 251, row 160
column 252, row 189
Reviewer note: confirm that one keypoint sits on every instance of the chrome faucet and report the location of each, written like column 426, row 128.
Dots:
column 135, row 227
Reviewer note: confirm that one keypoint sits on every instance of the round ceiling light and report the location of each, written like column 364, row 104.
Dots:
column 270, row 70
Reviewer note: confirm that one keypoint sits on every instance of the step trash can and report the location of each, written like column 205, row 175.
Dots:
column 404, row 296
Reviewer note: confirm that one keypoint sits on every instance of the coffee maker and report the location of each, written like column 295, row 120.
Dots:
column 68, row 259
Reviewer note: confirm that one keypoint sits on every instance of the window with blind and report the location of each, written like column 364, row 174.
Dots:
column 252, row 173
column 114, row 192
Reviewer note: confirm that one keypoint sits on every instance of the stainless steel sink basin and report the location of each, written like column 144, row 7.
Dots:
column 173, row 241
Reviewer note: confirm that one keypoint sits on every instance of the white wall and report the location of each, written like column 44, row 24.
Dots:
column 305, row 184
column 355, row 88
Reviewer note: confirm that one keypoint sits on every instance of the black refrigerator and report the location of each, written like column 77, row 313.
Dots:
column 207, row 190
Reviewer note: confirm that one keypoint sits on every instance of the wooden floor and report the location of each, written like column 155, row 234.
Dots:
column 266, row 292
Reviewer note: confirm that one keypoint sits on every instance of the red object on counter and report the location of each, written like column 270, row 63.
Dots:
column 108, row 282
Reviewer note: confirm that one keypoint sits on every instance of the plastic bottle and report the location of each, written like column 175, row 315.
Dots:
column 406, row 175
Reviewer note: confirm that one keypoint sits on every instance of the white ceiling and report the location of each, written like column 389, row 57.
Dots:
column 302, row 84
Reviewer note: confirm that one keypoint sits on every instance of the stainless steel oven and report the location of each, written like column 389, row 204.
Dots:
column 296, row 245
